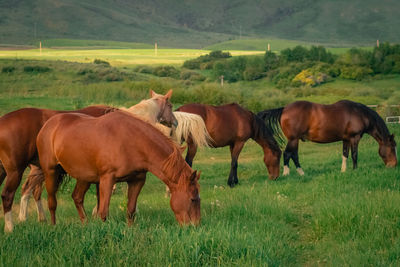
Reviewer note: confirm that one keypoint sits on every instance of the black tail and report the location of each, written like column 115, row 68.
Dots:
column 272, row 119
column 261, row 131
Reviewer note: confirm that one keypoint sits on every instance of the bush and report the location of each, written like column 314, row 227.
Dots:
column 355, row 72
column 144, row 69
column 101, row 62
column 206, row 61
column 309, row 78
column 36, row 69
column 166, row 71
column 8, row 69
column 192, row 76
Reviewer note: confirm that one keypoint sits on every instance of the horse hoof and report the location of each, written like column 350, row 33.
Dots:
column 286, row 170
column 231, row 185
column 300, row 171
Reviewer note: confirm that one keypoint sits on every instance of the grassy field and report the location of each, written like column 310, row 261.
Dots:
column 116, row 57
column 324, row 218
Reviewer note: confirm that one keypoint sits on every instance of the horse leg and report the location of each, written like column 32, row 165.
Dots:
column 134, row 188
column 287, row 154
column 191, row 151
column 345, row 156
column 235, row 151
column 37, row 195
column 106, row 185
column 14, row 177
column 96, row 208
column 3, row 173
column 354, row 150
column 78, row 196
column 53, row 179
column 33, row 184
column 295, row 156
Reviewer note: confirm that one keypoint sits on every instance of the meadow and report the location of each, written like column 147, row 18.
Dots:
column 323, row 218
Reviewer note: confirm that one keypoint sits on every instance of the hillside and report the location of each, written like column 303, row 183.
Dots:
column 197, row 24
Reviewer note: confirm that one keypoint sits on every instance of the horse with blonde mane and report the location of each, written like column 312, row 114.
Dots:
column 156, row 109
column 114, row 148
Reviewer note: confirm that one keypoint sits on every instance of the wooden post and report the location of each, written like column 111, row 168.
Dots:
column 269, row 47
column 222, row 80
column 155, row 49
column 40, row 47
column 377, row 43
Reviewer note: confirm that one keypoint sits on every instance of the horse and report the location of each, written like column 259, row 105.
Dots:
column 231, row 125
column 113, row 148
column 18, row 132
column 344, row 120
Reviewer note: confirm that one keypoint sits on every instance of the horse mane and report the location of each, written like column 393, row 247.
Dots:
column 374, row 121
column 146, row 110
column 261, row 131
column 192, row 125
column 174, row 164
column 272, row 119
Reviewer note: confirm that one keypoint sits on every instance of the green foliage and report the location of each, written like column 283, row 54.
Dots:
column 36, row 69
column 386, row 59
column 206, row 61
column 8, row 69
column 101, row 62
column 355, row 72
column 166, row 71
column 192, row 76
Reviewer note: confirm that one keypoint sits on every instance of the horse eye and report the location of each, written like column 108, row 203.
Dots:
column 196, row 199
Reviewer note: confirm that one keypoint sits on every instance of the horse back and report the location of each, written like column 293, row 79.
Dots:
column 225, row 124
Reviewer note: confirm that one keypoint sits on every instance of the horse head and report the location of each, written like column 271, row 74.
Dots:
column 388, row 151
column 185, row 200
column 165, row 114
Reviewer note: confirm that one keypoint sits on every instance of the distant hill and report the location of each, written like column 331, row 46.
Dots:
column 197, row 24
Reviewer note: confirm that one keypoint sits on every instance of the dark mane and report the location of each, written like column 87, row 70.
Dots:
column 261, row 131
column 272, row 119
column 375, row 121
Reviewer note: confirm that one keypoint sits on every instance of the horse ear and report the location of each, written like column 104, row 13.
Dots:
column 152, row 93
column 182, row 149
column 193, row 177
column 198, row 176
column 168, row 95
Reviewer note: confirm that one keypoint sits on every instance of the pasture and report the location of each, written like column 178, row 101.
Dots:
column 323, row 218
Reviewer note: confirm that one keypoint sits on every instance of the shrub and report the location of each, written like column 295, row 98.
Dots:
column 192, row 76
column 166, row 71
column 206, row 61
column 36, row 69
column 355, row 72
column 101, row 62
column 144, row 69
column 8, row 69
column 309, row 78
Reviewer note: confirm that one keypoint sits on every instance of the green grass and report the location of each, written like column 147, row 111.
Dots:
column 325, row 217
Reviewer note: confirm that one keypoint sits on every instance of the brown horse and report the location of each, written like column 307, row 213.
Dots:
column 231, row 125
column 113, row 148
column 345, row 121
column 18, row 132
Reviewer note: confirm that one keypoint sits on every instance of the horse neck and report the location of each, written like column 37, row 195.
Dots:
column 146, row 110
column 172, row 170
column 263, row 137
column 379, row 132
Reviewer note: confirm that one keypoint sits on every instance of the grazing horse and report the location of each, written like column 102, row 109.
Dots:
column 233, row 125
column 113, row 148
column 18, row 132
column 156, row 109
column 344, row 120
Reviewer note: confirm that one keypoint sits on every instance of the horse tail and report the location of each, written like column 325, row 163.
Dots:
column 192, row 126
column 261, row 131
column 272, row 119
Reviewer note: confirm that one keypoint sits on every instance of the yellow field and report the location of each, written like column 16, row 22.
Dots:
column 116, row 57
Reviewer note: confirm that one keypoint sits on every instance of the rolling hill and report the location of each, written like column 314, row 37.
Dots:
column 197, row 24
